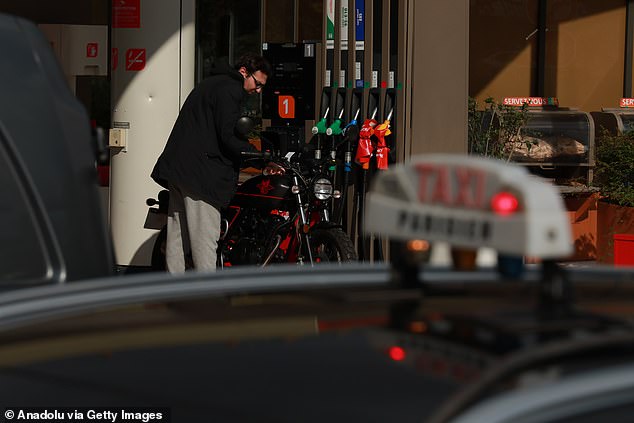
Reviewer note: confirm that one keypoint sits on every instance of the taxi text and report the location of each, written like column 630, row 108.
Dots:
column 427, row 224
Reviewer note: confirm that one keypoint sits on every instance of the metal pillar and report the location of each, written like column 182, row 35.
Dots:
column 629, row 45
column 438, row 85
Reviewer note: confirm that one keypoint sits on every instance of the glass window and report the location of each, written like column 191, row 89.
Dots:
column 22, row 255
column 280, row 19
column 310, row 20
column 224, row 31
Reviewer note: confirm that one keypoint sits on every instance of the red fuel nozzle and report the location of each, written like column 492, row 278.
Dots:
column 365, row 148
column 382, row 150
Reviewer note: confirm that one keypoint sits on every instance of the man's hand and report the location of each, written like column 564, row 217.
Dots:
column 273, row 168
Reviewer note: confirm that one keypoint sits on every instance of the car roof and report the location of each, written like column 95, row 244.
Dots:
column 244, row 326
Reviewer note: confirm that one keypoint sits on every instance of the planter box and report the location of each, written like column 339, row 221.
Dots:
column 612, row 220
column 623, row 250
column 582, row 213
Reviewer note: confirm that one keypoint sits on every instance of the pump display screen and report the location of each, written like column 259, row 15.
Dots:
column 469, row 202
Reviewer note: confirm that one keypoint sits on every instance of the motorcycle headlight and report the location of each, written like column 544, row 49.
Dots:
column 322, row 189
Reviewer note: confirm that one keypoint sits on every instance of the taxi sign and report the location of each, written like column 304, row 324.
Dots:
column 470, row 202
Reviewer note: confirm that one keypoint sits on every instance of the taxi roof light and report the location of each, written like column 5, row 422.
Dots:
column 470, row 203
column 504, row 203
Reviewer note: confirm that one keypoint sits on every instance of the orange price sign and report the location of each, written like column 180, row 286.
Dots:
column 286, row 106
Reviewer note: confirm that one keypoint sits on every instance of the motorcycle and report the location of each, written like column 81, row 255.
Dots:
column 279, row 216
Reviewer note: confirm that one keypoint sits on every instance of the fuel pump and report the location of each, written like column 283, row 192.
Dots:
column 363, row 157
column 389, row 156
column 383, row 135
column 350, row 133
column 288, row 102
column 334, row 133
column 390, row 108
column 318, row 131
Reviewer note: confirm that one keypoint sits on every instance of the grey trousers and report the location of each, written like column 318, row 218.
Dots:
column 193, row 228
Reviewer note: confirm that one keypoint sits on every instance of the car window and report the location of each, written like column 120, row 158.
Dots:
column 22, row 255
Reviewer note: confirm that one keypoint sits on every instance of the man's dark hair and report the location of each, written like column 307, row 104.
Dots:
column 253, row 62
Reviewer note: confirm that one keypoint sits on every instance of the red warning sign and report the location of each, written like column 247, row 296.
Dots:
column 135, row 59
column 126, row 13
column 286, row 106
column 92, row 50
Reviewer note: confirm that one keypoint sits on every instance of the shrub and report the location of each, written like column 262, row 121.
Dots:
column 495, row 130
column 614, row 171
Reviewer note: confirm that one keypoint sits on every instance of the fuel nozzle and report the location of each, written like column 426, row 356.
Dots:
column 365, row 148
column 382, row 150
column 350, row 134
column 318, row 131
column 320, row 128
column 335, row 128
column 351, row 131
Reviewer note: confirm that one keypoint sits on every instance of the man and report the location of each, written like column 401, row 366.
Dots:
column 201, row 162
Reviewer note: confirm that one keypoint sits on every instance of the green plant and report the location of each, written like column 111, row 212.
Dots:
column 614, row 171
column 495, row 131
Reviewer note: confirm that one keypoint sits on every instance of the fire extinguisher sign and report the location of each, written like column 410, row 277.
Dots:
column 286, row 106
column 92, row 50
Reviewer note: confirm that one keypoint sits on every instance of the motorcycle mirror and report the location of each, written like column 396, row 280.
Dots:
column 244, row 125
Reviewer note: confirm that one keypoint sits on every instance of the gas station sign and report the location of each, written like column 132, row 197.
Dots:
column 126, row 13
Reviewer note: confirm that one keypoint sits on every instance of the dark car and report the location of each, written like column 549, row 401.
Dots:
column 53, row 226
column 325, row 344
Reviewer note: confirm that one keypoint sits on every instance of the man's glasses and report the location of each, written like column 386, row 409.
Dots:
column 258, row 84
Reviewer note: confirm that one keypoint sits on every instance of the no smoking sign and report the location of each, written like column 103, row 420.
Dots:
column 135, row 59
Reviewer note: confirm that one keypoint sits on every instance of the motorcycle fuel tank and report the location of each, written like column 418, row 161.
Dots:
column 264, row 192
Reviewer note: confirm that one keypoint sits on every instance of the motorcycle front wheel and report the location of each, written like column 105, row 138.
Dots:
column 332, row 245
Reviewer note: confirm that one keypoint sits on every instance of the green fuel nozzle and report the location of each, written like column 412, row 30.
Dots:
column 320, row 128
column 335, row 128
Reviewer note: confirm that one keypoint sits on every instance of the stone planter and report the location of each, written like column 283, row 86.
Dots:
column 612, row 220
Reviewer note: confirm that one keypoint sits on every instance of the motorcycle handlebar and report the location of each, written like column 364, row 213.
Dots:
column 256, row 154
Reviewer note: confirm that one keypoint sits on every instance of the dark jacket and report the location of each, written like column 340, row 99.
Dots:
column 202, row 154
